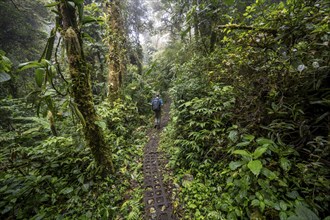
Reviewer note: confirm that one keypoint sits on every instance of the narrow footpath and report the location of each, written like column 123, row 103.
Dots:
column 156, row 198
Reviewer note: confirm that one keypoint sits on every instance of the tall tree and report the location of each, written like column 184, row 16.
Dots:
column 136, row 21
column 81, row 85
column 117, row 47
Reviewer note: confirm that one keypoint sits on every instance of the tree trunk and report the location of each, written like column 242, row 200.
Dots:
column 81, row 87
column 196, row 21
column 117, row 51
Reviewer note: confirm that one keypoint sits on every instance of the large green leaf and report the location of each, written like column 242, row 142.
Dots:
column 39, row 76
column 243, row 153
column 285, row 164
column 33, row 64
column 235, row 164
column 90, row 19
column 4, row 77
column 66, row 190
column 80, row 7
column 303, row 213
column 255, row 166
column 50, row 45
column 248, row 137
column 77, row 112
column 268, row 173
column 283, row 205
column 283, row 215
column 259, row 151
column 264, row 141
column 233, row 136
column 5, row 63
column 243, row 144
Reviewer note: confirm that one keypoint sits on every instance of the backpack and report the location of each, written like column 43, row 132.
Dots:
column 155, row 104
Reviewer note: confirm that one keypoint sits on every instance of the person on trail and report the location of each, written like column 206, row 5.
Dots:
column 156, row 104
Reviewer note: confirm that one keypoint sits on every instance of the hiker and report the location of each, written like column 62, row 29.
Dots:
column 156, row 105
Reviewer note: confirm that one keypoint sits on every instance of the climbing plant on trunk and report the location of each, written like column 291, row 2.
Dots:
column 81, row 85
column 117, row 51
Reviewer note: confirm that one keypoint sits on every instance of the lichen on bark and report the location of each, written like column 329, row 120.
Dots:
column 117, row 51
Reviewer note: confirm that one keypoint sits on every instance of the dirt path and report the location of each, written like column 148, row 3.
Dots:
column 156, row 197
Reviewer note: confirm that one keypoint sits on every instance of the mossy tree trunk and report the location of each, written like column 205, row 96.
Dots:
column 117, row 48
column 81, row 87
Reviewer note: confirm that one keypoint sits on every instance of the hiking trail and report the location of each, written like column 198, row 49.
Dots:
column 156, row 196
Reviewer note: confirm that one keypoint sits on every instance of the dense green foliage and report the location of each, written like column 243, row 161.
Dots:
column 44, row 176
column 250, row 128
column 249, row 132
column 47, row 171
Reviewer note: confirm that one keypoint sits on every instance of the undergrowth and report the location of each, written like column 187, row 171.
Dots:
column 48, row 177
column 249, row 136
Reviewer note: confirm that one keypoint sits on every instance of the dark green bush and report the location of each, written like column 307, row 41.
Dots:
column 255, row 134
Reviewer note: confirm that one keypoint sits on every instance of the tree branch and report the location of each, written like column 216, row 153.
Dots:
column 245, row 27
column 15, row 5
